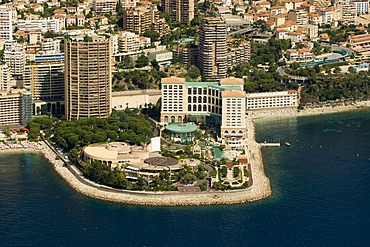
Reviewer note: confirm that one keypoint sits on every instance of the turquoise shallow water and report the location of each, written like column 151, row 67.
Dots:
column 321, row 196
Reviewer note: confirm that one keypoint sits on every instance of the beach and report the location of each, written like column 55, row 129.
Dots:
column 311, row 110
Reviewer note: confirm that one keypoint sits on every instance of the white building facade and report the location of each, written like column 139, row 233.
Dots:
column 6, row 26
column 270, row 100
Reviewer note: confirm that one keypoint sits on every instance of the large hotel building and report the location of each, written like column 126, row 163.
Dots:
column 224, row 99
column 88, row 77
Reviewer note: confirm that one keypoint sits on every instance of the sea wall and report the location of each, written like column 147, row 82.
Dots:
column 259, row 190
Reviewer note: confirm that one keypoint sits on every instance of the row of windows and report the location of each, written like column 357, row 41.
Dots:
column 200, row 90
column 172, row 86
column 200, row 99
column 204, row 108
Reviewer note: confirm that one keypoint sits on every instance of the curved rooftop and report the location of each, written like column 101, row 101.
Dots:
column 181, row 128
column 161, row 161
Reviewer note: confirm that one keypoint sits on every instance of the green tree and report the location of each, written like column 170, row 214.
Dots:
column 193, row 72
column 154, row 36
column 142, row 61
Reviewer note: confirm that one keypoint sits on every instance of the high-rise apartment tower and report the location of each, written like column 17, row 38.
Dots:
column 179, row 10
column 88, row 77
column 212, row 48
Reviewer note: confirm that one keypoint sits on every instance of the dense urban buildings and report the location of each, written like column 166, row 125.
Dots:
column 88, row 77
column 212, row 48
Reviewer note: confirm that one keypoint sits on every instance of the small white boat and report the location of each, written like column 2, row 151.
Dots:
column 287, row 144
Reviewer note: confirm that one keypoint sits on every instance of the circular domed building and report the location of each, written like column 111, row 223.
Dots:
column 134, row 161
column 181, row 131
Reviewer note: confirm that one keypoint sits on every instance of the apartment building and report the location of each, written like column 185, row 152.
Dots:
column 15, row 58
column 238, row 52
column 6, row 26
column 359, row 43
column 268, row 100
column 44, row 76
column 46, row 80
column 104, row 6
column 212, row 48
column 43, row 25
column 128, row 42
column 311, row 31
column 5, row 78
column 88, row 77
column 188, row 53
column 348, row 11
column 362, row 7
column 144, row 18
column 325, row 16
column 299, row 16
column 223, row 100
column 15, row 107
column 179, row 10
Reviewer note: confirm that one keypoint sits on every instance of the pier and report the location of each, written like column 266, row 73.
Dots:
column 270, row 143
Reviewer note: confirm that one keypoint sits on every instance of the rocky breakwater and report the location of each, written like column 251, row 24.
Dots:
column 259, row 190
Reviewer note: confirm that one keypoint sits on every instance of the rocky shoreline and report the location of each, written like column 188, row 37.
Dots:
column 260, row 188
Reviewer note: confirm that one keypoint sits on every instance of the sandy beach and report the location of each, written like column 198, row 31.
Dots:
column 311, row 110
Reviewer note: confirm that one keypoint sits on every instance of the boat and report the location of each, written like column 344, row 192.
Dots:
column 287, row 144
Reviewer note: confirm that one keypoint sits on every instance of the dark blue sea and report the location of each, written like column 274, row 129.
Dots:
column 321, row 197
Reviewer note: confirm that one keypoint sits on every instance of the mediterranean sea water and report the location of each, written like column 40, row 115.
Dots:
column 321, row 197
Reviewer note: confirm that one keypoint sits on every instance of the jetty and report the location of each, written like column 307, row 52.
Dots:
column 270, row 143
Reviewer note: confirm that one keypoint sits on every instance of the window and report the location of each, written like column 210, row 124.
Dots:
column 189, row 107
column 204, row 107
column 199, row 107
column 194, row 107
column 194, row 91
column 204, row 99
column 194, row 99
column 199, row 90
column 189, row 90
column 189, row 99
